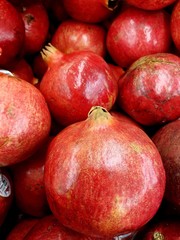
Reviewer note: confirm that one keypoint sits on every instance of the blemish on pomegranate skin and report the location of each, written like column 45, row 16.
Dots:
column 158, row 236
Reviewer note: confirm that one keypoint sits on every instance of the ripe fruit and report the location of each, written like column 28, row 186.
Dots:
column 135, row 33
column 103, row 177
column 93, row 11
column 71, row 36
column 151, row 4
column 25, row 119
column 175, row 21
column 12, row 33
column 149, row 91
column 30, row 196
column 75, row 82
column 167, row 141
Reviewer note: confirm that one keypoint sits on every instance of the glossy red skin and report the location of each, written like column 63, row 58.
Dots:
column 93, row 11
column 175, row 21
column 168, row 229
column 151, row 4
column 25, row 120
column 20, row 230
column 5, row 201
column 102, row 177
column 12, row 33
column 149, row 91
column 75, row 83
column 36, row 23
column 72, row 35
column 167, row 140
column 22, row 69
column 50, row 228
column 28, row 179
column 117, row 70
column 135, row 33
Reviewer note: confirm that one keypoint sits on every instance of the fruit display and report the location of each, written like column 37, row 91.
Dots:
column 89, row 120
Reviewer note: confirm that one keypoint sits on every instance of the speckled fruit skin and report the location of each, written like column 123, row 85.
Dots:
column 167, row 141
column 150, row 90
column 25, row 119
column 50, row 228
column 20, row 230
column 103, row 177
column 175, row 21
column 151, row 4
column 135, row 33
column 12, row 34
column 76, row 82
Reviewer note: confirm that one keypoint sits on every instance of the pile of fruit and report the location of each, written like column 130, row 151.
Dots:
column 89, row 119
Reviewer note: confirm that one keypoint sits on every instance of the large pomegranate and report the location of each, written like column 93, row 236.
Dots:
column 103, row 177
column 149, row 91
column 25, row 119
column 12, row 33
column 75, row 82
column 135, row 33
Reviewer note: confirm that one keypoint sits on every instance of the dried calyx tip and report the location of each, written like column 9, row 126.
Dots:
column 48, row 49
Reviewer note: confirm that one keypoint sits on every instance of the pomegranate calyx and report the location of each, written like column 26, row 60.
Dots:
column 112, row 4
column 158, row 236
column 50, row 54
column 98, row 112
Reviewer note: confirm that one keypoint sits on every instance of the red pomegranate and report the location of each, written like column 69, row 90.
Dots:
column 135, row 33
column 22, row 69
column 103, row 177
column 25, row 119
column 72, row 35
column 162, row 229
column 36, row 21
column 12, row 33
column 6, row 194
column 149, row 91
column 91, row 11
column 151, row 4
column 20, row 230
column 175, row 21
column 50, row 228
column 75, row 82
column 28, row 179
column 167, row 141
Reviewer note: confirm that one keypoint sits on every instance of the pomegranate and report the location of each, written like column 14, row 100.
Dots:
column 20, row 230
column 36, row 23
column 103, row 177
column 149, row 91
column 22, row 69
column 167, row 141
column 50, row 228
column 135, row 33
column 92, row 11
column 72, row 35
column 175, row 21
column 75, row 82
column 30, row 196
column 6, row 194
column 162, row 229
column 151, row 4
column 12, row 33
column 25, row 119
